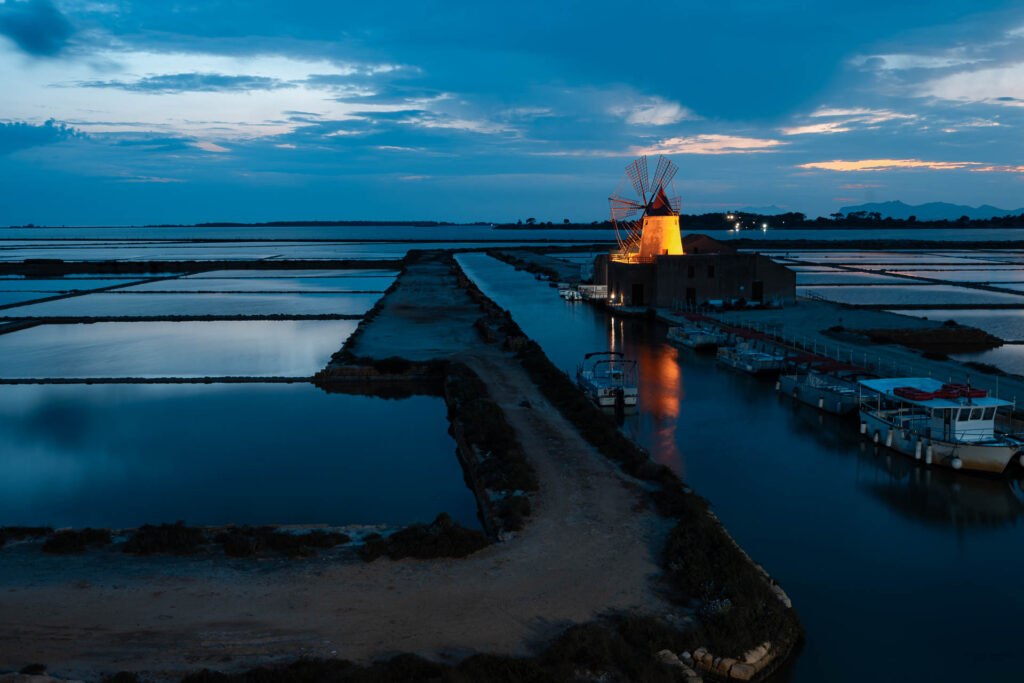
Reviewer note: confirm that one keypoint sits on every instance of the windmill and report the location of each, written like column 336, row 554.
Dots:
column 645, row 211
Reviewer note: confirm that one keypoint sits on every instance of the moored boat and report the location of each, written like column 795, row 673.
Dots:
column 693, row 335
column 951, row 425
column 607, row 378
column 745, row 356
column 823, row 383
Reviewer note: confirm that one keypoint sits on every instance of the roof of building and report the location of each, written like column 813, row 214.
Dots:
column 702, row 244
column 660, row 205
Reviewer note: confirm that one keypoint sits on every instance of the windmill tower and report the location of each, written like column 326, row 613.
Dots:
column 645, row 211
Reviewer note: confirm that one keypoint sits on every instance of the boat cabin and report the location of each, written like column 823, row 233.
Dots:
column 950, row 412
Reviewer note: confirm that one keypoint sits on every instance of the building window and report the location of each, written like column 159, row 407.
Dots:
column 689, row 271
column 711, row 271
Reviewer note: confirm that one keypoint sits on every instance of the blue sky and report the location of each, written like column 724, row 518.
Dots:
column 116, row 112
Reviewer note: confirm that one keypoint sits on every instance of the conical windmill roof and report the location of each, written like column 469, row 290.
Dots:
column 659, row 204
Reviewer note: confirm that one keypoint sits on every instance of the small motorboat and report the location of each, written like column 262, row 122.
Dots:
column 745, row 356
column 695, row 336
column 608, row 379
column 823, row 383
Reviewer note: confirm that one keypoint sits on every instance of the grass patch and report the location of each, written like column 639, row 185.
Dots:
column 938, row 340
column 502, row 465
column 20, row 533
column 70, row 542
column 166, row 539
column 611, row 649
column 441, row 538
column 247, row 541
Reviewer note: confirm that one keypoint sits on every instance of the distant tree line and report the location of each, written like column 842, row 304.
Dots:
column 795, row 220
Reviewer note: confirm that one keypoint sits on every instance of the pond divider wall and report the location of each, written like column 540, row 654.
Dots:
column 739, row 606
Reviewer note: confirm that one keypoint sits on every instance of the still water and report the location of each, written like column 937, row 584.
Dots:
column 223, row 348
column 899, row 573
column 124, row 455
column 119, row 303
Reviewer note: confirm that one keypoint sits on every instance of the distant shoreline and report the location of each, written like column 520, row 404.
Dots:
column 687, row 222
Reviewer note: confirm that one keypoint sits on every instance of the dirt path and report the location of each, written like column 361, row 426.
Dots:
column 591, row 546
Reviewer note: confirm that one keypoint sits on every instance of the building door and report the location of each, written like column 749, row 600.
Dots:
column 691, row 296
column 757, row 291
column 638, row 294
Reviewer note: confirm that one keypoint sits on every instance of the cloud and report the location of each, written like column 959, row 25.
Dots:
column 209, row 146
column 36, row 26
column 828, row 127
column 20, row 135
column 1002, row 85
column 844, row 120
column 887, row 164
column 428, row 120
column 653, row 112
column 192, row 82
column 709, row 144
column 150, row 179
column 903, row 62
column 858, row 186
column 997, row 169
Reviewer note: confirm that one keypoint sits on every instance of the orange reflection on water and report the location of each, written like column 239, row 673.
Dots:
column 661, row 390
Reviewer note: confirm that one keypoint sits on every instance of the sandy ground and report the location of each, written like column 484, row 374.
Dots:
column 591, row 546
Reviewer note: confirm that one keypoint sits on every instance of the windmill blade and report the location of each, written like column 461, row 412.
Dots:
column 623, row 208
column 664, row 173
column 676, row 204
column 637, row 172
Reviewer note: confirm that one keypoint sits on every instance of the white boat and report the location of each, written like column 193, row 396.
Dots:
column 695, row 336
column 605, row 376
column 950, row 425
column 822, row 383
column 570, row 294
column 745, row 356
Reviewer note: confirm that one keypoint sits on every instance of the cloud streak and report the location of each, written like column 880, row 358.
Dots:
column 860, row 165
column 36, row 26
column 192, row 82
column 709, row 144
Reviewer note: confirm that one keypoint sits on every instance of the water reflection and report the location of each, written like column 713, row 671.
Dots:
column 921, row 494
column 124, row 455
column 661, row 390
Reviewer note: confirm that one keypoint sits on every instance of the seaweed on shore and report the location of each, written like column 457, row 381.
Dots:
column 499, row 464
column 168, row 539
column 441, row 538
column 73, row 541
column 248, row 541
column 612, row 648
column 20, row 533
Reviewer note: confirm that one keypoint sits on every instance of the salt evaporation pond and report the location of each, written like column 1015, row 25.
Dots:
column 1005, row 323
column 916, row 294
column 58, row 284
column 890, row 565
column 978, row 275
column 156, row 304
column 7, row 298
column 122, row 455
column 842, row 277
column 1008, row 357
column 275, row 284
column 224, row 348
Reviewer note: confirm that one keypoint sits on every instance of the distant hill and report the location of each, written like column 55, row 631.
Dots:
column 764, row 210
column 932, row 211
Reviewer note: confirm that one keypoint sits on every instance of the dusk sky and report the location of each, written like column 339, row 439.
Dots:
column 147, row 112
